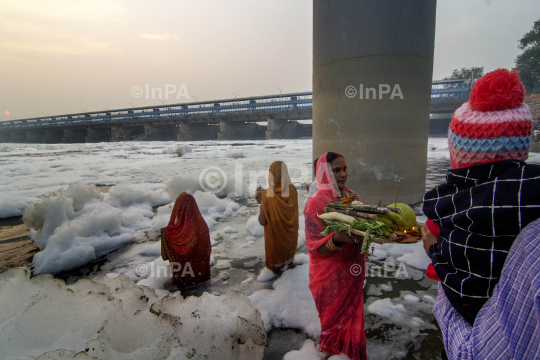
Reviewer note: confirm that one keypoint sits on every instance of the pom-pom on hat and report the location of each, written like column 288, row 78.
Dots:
column 494, row 124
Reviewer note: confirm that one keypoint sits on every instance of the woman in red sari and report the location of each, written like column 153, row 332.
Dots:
column 185, row 243
column 336, row 268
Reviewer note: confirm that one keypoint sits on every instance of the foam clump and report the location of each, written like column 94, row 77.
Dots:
column 307, row 352
column 112, row 318
column 290, row 304
column 214, row 182
column 234, row 154
column 180, row 149
column 76, row 226
column 124, row 195
column 254, row 227
column 385, row 308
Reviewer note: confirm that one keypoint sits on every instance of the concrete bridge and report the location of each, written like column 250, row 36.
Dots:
column 231, row 119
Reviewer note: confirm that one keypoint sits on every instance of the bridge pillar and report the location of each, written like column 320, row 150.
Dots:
column 304, row 131
column 18, row 136
column 74, row 136
column 281, row 129
column 439, row 124
column 194, row 132
column 239, row 130
column 53, row 136
column 35, row 136
column 5, row 136
column 160, row 132
column 372, row 80
column 126, row 133
column 96, row 135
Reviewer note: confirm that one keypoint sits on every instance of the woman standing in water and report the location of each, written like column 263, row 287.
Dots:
column 336, row 268
column 279, row 216
column 185, row 243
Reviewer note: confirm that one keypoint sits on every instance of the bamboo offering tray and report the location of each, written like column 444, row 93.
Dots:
column 370, row 212
column 397, row 238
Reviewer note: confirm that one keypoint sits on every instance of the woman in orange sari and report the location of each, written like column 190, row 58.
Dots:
column 185, row 243
column 279, row 216
column 336, row 268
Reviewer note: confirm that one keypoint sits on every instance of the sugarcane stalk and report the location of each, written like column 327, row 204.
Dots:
column 367, row 208
column 351, row 213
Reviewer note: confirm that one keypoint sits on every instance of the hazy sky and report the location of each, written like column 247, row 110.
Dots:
column 63, row 56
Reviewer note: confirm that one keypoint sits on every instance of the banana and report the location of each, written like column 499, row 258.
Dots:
column 397, row 220
column 385, row 219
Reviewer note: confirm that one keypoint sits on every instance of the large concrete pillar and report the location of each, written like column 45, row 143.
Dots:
column 239, row 130
column 193, row 132
column 304, row 131
column 125, row 133
column 439, row 124
column 35, row 136
column 160, row 132
column 281, row 129
column 372, row 72
column 53, row 136
column 74, row 136
column 96, row 135
column 18, row 137
column 5, row 136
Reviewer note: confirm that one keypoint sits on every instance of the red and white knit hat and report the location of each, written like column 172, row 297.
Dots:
column 494, row 124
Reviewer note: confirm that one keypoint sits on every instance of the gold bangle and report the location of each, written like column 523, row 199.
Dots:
column 330, row 245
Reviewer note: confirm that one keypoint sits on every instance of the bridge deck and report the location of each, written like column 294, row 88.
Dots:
column 295, row 106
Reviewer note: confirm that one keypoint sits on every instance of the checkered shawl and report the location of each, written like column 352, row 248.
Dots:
column 480, row 210
column 508, row 325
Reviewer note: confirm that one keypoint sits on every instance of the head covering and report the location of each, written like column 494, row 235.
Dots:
column 325, row 178
column 279, row 180
column 186, row 242
column 494, row 124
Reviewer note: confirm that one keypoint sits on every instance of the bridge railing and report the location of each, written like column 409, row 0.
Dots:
column 299, row 101
column 285, row 102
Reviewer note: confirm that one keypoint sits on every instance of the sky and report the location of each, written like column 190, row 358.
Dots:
column 65, row 56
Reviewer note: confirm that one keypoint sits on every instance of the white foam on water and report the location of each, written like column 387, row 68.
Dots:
column 112, row 318
column 290, row 303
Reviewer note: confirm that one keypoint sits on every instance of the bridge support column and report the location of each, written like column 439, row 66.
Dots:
column 439, row 124
column 18, row 137
column 53, row 136
column 281, row 129
column 35, row 136
column 127, row 133
column 304, row 131
column 5, row 136
column 96, row 135
column 239, row 130
column 74, row 136
column 372, row 72
column 160, row 133
column 194, row 132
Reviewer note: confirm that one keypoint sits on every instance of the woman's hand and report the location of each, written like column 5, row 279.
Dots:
column 344, row 237
column 258, row 193
column 428, row 238
column 262, row 217
column 338, row 239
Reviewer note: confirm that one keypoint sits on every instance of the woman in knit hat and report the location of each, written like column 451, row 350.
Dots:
column 489, row 196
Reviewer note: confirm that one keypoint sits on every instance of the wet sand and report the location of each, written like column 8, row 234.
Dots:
column 16, row 248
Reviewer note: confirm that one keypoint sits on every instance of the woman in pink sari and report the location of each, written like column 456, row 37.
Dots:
column 337, row 267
